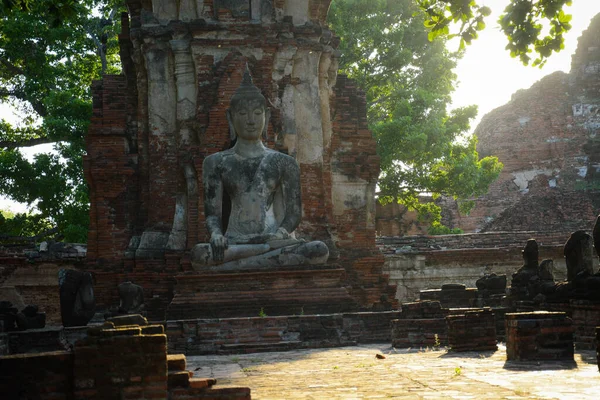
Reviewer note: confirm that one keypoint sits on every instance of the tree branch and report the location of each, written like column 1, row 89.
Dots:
column 37, row 106
column 11, row 67
column 13, row 144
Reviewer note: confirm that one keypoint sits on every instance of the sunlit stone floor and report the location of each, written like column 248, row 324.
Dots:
column 356, row 373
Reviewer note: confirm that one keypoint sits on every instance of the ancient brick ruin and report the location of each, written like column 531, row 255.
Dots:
column 547, row 139
column 153, row 126
column 123, row 359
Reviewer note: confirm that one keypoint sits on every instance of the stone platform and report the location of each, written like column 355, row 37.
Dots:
column 298, row 290
column 355, row 373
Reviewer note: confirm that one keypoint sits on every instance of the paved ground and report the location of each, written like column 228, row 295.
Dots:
column 356, row 373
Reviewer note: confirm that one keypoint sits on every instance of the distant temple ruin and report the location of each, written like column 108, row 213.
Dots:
column 547, row 138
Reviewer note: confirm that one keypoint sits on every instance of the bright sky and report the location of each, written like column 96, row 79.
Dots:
column 487, row 75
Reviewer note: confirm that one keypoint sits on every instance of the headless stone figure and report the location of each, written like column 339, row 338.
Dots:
column 263, row 186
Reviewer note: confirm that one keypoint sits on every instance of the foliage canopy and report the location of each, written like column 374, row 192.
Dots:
column 50, row 51
column 408, row 82
column 522, row 22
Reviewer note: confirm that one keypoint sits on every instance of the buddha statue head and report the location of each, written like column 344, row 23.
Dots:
column 248, row 114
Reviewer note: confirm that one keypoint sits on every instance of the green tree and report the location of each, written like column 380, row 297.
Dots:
column 50, row 51
column 408, row 82
column 23, row 225
column 522, row 22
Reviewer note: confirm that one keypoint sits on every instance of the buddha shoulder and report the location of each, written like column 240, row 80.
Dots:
column 216, row 159
column 282, row 160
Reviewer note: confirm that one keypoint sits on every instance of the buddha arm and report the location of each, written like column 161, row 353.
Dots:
column 213, row 195
column 291, row 195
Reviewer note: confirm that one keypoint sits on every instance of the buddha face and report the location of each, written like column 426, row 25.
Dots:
column 249, row 118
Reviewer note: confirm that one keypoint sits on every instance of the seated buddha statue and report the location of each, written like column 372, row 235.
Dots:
column 263, row 187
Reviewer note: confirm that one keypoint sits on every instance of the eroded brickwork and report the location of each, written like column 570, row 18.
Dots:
column 109, row 362
column 539, row 335
column 547, row 138
column 154, row 125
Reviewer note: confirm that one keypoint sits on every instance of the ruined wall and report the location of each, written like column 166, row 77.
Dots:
column 546, row 136
column 28, row 277
column 416, row 263
column 153, row 126
column 126, row 361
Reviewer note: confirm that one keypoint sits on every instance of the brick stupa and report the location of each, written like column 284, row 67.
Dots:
column 154, row 124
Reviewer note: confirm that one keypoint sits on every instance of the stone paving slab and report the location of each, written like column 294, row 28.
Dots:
column 356, row 373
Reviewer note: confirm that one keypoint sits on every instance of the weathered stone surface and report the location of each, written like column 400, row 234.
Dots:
column 274, row 333
column 292, row 291
column 153, row 127
column 262, row 188
column 473, row 330
column 132, row 298
column 547, row 139
column 578, row 255
column 77, row 301
column 533, row 281
column 30, row 318
column 492, row 283
column 539, row 335
column 434, row 374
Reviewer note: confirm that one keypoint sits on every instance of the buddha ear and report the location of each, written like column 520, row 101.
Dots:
column 267, row 118
column 232, row 134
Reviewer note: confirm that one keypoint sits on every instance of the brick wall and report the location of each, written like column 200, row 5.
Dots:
column 419, row 270
column 108, row 362
column 42, row 376
column 539, row 335
column 148, row 127
column 241, row 335
column 26, row 281
column 403, row 244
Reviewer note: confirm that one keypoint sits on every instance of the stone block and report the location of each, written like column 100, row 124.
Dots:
column 539, row 335
column 474, row 330
column 176, row 362
column 425, row 332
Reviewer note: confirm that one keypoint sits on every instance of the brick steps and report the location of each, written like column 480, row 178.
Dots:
column 201, row 383
column 182, row 385
column 178, row 379
column 176, row 362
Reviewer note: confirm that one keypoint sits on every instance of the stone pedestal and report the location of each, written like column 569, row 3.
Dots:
column 294, row 290
column 472, row 331
column 539, row 335
column 586, row 317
